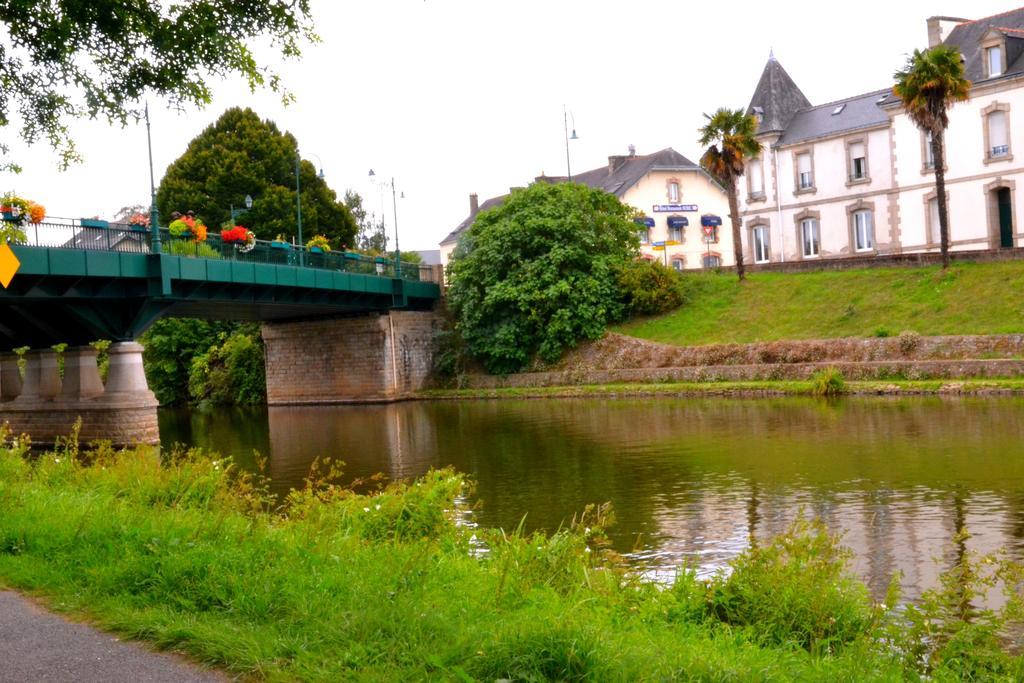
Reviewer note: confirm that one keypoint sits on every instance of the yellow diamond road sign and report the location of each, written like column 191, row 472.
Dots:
column 9, row 265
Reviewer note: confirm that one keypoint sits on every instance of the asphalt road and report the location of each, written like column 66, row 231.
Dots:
column 36, row 645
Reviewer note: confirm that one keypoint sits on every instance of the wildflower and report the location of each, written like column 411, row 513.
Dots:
column 366, row 509
column 586, row 550
column 378, row 506
column 883, row 607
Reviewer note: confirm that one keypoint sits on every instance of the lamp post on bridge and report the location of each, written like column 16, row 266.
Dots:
column 235, row 212
column 298, row 202
column 394, row 208
column 154, row 213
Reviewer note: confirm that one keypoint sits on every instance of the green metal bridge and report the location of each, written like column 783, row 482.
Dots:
column 80, row 281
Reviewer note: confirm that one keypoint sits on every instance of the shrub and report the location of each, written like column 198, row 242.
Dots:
column 537, row 274
column 882, row 332
column 827, row 382
column 648, row 288
column 795, row 590
column 909, row 341
column 232, row 372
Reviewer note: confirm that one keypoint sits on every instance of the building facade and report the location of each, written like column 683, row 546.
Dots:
column 682, row 208
column 855, row 177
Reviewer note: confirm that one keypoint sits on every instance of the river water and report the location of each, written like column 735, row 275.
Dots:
column 691, row 480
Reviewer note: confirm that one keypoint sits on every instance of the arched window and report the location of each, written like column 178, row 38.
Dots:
column 678, row 264
column 712, row 261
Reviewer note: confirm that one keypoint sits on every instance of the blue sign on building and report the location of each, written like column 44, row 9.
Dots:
column 662, row 208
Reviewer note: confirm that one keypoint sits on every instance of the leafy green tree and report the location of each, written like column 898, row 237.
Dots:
column 231, row 372
column 67, row 59
column 170, row 345
column 371, row 238
column 931, row 82
column 241, row 154
column 538, row 273
column 729, row 136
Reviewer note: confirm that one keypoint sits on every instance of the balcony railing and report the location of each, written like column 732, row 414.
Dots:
column 131, row 239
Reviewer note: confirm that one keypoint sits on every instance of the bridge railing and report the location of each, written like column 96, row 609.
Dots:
column 103, row 236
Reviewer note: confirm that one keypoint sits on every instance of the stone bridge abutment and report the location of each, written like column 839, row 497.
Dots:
column 379, row 357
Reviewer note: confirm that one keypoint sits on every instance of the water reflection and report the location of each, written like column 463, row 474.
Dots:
column 690, row 480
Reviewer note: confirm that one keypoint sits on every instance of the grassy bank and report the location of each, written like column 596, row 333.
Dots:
column 971, row 298
column 759, row 388
column 386, row 587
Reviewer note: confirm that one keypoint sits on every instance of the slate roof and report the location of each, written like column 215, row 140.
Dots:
column 430, row 257
column 861, row 111
column 627, row 174
column 968, row 35
column 777, row 98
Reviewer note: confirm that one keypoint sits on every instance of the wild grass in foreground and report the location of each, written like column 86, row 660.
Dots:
column 190, row 554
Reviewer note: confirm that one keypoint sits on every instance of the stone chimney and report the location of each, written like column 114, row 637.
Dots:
column 474, row 205
column 614, row 162
column 939, row 28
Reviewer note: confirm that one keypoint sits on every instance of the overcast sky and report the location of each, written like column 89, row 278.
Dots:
column 459, row 96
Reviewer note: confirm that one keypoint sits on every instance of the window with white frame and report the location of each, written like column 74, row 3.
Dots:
column 858, row 161
column 712, row 261
column 804, row 174
column 675, row 234
column 677, row 264
column 935, row 234
column 863, row 230
column 644, row 234
column 994, row 60
column 810, row 237
column 760, row 240
column 673, row 192
column 756, row 178
column 998, row 134
column 929, row 153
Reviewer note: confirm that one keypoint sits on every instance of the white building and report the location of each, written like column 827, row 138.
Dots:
column 855, row 177
column 676, row 196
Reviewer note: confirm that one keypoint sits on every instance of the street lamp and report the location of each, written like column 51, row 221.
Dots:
column 235, row 212
column 154, row 214
column 394, row 207
column 565, row 121
column 298, row 202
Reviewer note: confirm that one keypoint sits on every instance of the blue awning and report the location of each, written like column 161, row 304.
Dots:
column 678, row 221
column 710, row 220
column 645, row 221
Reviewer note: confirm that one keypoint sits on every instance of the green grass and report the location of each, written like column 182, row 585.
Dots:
column 385, row 586
column 983, row 298
column 762, row 387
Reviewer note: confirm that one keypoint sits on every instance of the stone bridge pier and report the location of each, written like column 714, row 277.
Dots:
column 374, row 358
column 45, row 405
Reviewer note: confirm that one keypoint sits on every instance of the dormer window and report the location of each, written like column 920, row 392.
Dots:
column 994, row 60
column 673, row 191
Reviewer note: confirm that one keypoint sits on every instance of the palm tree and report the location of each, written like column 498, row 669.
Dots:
column 729, row 139
column 931, row 82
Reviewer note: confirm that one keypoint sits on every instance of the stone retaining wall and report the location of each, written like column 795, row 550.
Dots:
column 910, row 260
column 961, row 369
column 616, row 351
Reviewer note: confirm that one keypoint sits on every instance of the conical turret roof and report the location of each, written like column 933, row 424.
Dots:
column 776, row 98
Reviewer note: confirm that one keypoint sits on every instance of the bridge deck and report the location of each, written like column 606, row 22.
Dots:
column 89, row 288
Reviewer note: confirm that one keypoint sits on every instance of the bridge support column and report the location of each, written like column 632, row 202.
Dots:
column 365, row 359
column 10, row 377
column 123, row 411
column 81, row 374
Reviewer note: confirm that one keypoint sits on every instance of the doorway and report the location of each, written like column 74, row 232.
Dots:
column 1005, row 218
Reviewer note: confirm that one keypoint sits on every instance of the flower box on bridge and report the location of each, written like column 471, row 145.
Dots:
column 97, row 223
column 280, row 245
